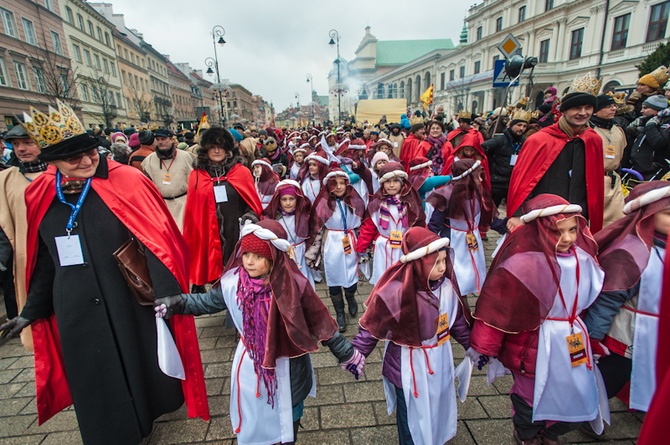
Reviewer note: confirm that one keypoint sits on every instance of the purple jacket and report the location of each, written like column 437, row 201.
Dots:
column 366, row 343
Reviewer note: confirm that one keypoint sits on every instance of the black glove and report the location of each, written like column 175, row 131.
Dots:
column 14, row 327
column 166, row 307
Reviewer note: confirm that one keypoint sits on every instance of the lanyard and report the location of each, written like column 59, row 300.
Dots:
column 75, row 208
column 171, row 162
column 573, row 315
column 344, row 216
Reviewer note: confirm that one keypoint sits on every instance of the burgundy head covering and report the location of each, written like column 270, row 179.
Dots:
column 419, row 170
column 297, row 320
column 268, row 180
column 465, row 187
column 355, row 149
column 302, row 207
column 325, row 203
column 408, row 196
column 625, row 245
column 519, row 290
column 402, row 305
column 321, row 159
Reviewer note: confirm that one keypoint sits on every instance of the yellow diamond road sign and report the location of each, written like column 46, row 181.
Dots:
column 509, row 46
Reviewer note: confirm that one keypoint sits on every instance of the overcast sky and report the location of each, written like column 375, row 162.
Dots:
column 272, row 44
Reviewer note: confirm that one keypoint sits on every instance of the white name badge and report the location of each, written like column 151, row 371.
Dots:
column 395, row 144
column 220, row 194
column 512, row 159
column 69, row 250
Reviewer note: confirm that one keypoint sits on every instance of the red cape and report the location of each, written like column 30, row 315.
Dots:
column 410, row 150
column 473, row 139
column 539, row 152
column 654, row 428
column 143, row 211
column 201, row 229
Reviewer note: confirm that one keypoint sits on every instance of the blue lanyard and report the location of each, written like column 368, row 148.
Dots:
column 515, row 146
column 75, row 207
column 344, row 216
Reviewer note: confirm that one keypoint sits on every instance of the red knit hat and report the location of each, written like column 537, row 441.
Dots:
column 252, row 243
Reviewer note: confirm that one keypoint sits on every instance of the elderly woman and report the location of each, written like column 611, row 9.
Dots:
column 95, row 344
column 221, row 196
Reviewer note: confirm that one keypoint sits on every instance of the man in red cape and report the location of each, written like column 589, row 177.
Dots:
column 565, row 159
column 410, row 148
column 455, row 137
column 147, row 218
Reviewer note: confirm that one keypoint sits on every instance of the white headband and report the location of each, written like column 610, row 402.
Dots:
column 552, row 210
column 393, row 174
column 288, row 182
column 417, row 167
column 346, row 141
column 331, row 175
column 384, row 141
column 357, row 147
column 261, row 162
column 317, row 158
column 265, row 234
column 421, row 252
column 467, row 172
column 646, row 199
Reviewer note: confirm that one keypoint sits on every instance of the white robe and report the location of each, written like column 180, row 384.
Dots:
column 311, row 188
column 469, row 265
column 563, row 392
column 383, row 255
column 645, row 337
column 341, row 269
column 298, row 244
column 430, row 398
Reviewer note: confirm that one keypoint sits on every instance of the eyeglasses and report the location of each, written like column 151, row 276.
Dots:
column 75, row 160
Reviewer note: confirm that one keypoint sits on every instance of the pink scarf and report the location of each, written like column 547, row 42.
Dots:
column 385, row 213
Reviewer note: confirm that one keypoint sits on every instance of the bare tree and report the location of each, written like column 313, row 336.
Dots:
column 459, row 91
column 101, row 94
column 142, row 103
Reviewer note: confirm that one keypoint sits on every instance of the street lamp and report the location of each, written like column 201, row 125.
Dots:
column 335, row 40
column 311, row 93
column 217, row 31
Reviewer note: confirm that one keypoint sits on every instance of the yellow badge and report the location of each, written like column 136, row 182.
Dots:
column 577, row 349
column 443, row 333
column 395, row 240
column 167, row 179
column 471, row 239
column 346, row 244
column 609, row 152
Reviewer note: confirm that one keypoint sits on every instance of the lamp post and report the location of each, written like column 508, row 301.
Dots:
column 311, row 93
column 217, row 31
column 335, row 40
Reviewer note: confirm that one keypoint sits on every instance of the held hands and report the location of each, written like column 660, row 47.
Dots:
column 476, row 358
column 13, row 327
column 598, row 349
column 166, row 307
column 355, row 364
column 514, row 223
column 363, row 258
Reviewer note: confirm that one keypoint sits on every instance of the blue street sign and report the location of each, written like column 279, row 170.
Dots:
column 500, row 78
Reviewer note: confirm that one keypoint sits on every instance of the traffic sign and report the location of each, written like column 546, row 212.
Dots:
column 500, row 78
column 509, row 46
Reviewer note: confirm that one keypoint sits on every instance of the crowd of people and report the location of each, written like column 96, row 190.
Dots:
column 112, row 243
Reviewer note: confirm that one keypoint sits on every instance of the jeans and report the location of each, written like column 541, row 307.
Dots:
column 404, row 435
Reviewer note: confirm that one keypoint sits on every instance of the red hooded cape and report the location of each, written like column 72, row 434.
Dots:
column 471, row 139
column 143, row 211
column 541, row 150
column 201, row 229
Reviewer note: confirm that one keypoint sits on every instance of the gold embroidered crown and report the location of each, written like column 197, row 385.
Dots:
column 619, row 98
column 535, row 114
column 586, row 84
column 413, row 120
column 523, row 102
column 521, row 115
column 53, row 128
column 464, row 115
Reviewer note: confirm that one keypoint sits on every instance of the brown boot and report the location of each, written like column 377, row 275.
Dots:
column 534, row 441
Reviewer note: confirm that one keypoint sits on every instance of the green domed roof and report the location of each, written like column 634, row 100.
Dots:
column 463, row 38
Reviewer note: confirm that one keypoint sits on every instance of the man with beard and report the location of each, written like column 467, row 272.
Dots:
column 502, row 151
column 169, row 168
column 397, row 138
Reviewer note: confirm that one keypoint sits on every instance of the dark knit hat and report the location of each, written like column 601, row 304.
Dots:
column 657, row 102
column 146, row 137
column 577, row 99
column 604, row 100
column 164, row 133
column 416, row 127
column 253, row 244
column 544, row 108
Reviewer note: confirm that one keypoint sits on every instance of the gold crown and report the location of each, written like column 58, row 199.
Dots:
column 535, row 114
column 464, row 115
column 53, row 128
column 414, row 120
column 521, row 115
column 619, row 98
column 586, row 84
column 523, row 102
column 660, row 74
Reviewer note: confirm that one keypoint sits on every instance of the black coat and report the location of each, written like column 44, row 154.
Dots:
column 108, row 340
column 499, row 151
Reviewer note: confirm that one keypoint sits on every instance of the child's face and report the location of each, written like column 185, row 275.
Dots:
column 440, row 266
column 567, row 234
column 256, row 266
column 386, row 149
column 313, row 168
column 258, row 170
column 662, row 222
column 468, row 152
column 392, row 186
column 287, row 203
column 299, row 157
column 340, row 187
column 380, row 164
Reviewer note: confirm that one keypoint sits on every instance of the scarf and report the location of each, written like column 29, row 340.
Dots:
column 602, row 123
column 385, row 213
column 253, row 296
column 287, row 213
column 32, row 167
column 164, row 155
column 71, row 186
column 567, row 129
column 435, row 153
column 215, row 169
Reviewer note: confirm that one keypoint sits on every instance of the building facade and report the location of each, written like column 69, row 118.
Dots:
column 239, row 104
column 182, row 103
column 134, row 81
column 90, row 42
column 35, row 64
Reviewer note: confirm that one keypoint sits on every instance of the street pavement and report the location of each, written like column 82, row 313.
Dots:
column 345, row 411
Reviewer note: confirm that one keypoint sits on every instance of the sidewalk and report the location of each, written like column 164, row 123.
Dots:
column 344, row 412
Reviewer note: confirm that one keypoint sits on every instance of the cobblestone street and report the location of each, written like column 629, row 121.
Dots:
column 344, row 412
